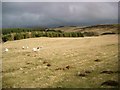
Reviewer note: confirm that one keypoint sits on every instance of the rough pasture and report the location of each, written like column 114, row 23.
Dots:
column 85, row 62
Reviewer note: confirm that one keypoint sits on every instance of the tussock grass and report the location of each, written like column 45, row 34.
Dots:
column 66, row 57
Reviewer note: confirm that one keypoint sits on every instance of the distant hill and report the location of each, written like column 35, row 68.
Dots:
column 98, row 29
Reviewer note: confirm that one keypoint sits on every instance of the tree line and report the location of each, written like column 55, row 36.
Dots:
column 33, row 34
column 10, row 34
column 19, row 30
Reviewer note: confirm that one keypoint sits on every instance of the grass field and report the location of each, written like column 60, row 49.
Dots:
column 85, row 62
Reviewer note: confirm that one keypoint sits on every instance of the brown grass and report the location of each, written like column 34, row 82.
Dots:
column 25, row 68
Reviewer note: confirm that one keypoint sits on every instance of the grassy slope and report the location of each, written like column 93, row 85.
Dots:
column 67, row 29
column 96, row 28
column 0, row 66
column 25, row 68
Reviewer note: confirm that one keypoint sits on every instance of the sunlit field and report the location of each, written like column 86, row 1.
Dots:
column 82, row 62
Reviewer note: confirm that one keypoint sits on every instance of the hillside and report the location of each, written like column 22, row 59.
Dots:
column 98, row 29
column 89, row 62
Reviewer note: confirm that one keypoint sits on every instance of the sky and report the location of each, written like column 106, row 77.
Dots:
column 60, row 0
column 0, row 15
column 53, row 14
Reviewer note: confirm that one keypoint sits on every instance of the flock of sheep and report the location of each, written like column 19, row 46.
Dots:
column 36, row 49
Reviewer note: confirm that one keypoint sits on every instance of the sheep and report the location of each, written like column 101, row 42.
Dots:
column 23, row 47
column 6, row 50
column 34, row 49
column 27, row 47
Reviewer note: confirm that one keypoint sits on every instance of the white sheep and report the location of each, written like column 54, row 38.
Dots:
column 6, row 50
column 23, row 47
column 27, row 47
column 34, row 49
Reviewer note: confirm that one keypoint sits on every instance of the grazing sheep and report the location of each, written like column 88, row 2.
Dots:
column 27, row 47
column 6, row 49
column 34, row 49
column 23, row 47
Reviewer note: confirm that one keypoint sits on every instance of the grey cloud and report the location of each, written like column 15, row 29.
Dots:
column 60, row 0
column 21, row 14
column 0, row 15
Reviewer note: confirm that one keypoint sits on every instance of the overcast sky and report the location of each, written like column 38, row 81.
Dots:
column 24, row 14
column 0, row 14
column 60, row 0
